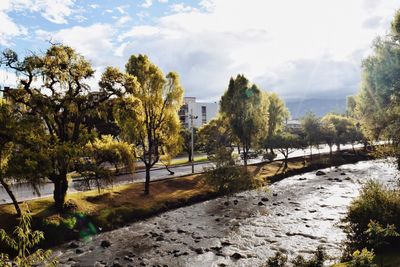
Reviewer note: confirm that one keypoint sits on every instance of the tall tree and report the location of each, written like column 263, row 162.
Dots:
column 278, row 113
column 311, row 126
column 246, row 109
column 21, row 155
column 52, row 87
column 343, row 126
column 148, row 114
column 186, row 135
column 286, row 143
column 378, row 101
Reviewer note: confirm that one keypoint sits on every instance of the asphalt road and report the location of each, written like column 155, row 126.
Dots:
column 24, row 191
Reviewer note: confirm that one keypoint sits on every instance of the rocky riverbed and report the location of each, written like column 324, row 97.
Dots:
column 294, row 215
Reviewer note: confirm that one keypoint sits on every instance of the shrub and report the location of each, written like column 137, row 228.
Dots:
column 317, row 260
column 363, row 258
column 229, row 179
column 376, row 203
column 279, row 260
column 23, row 241
column 269, row 156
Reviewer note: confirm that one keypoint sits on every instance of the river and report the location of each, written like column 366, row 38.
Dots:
column 294, row 216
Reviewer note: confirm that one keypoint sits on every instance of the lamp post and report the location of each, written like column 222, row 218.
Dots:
column 192, row 117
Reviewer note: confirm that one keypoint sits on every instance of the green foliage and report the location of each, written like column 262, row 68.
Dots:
column 378, row 101
column 215, row 135
column 317, row 260
column 345, row 130
column 53, row 88
column 23, row 242
column 278, row 260
column 99, row 154
column 311, row 126
column 245, row 107
column 278, row 113
column 375, row 207
column 363, row 258
column 148, row 111
column 379, row 236
column 229, row 179
column 186, row 135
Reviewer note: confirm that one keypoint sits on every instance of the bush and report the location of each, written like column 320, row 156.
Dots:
column 363, row 258
column 279, row 260
column 229, row 179
column 317, row 260
column 376, row 203
column 24, row 243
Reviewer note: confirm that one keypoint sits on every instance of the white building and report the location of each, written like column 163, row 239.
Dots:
column 203, row 112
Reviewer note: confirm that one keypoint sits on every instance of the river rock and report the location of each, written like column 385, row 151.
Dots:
column 199, row 250
column 116, row 264
column 105, row 244
column 237, row 256
column 319, row 173
column 261, row 204
column 264, row 199
column 302, row 178
column 73, row 244
column 79, row 251
column 235, row 201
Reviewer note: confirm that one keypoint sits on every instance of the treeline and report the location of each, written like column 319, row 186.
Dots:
column 53, row 124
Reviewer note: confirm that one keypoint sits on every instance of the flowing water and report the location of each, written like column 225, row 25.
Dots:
column 294, row 216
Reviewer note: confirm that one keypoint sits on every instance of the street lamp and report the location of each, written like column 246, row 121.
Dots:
column 192, row 117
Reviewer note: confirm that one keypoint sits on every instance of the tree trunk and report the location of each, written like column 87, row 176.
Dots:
column 354, row 150
column 330, row 152
column 338, row 147
column 310, row 152
column 238, row 148
column 147, row 182
column 11, row 194
column 286, row 155
column 60, row 190
column 189, row 156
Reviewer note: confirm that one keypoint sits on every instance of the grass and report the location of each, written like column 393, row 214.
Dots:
column 179, row 161
column 117, row 206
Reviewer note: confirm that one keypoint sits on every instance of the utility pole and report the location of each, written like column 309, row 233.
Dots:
column 192, row 139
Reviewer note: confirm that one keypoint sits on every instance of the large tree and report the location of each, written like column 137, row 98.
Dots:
column 286, row 143
column 148, row 113
column 21, row 155
column 53, row 87
column 278, row 113
column 311, row 127
column 344, row 128
column 378, row 101
column 246, row 108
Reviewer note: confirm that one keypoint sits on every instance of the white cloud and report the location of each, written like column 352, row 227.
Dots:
column 268, row 41
column 9, row 29
column 181, row 8
column 123, row 20
column 147, row 3
column 163, row 1
column 95, row 42
column 94, row 6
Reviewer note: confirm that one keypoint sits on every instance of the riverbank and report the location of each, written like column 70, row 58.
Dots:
column 90, row 212
column 294, row 216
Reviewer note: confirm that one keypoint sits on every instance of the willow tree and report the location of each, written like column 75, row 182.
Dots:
column 53, row 88
column 278, row 113
column 378, row 101
column 148, row 112
column 246, row 108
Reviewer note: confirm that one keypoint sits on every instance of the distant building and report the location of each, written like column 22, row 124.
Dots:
column 202, row 111
column 294, row 125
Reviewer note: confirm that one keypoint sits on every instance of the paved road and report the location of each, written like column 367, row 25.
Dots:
column 25, row 192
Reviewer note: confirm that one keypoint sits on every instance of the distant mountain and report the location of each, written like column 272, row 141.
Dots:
column 299, row 107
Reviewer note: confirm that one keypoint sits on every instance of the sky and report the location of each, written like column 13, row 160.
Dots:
column 300, row 49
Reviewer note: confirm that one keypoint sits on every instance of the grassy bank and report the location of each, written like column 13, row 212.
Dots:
column 90, row 212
